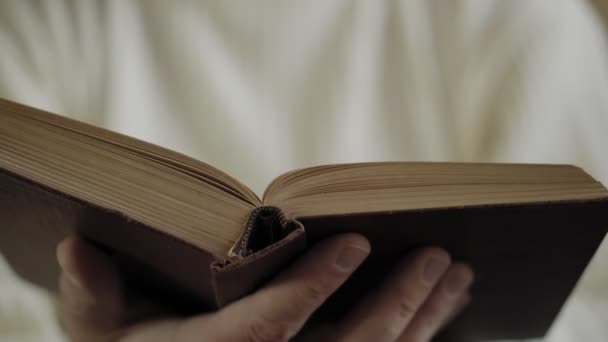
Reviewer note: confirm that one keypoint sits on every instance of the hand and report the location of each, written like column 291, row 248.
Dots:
column 424, row 292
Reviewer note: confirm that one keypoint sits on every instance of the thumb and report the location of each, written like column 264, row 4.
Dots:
column 90, row 291
column 279, row 310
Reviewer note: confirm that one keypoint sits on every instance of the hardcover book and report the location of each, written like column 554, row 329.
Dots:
column 197, row 238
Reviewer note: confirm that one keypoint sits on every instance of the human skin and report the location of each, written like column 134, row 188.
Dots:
column 425, row 290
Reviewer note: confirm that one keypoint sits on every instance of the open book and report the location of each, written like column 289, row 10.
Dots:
column 182, row 228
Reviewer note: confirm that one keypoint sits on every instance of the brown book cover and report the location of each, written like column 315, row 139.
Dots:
column 527, row 257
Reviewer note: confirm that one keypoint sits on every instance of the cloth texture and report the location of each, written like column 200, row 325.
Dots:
column 260, row 88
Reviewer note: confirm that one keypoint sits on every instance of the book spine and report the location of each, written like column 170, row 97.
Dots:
column 269, row 243
column 266, row 226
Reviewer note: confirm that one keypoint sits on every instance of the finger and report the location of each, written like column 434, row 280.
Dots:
column 462, row 303
column 385, row 315
column 90, row 290
column 447, row 299
column 279, row 310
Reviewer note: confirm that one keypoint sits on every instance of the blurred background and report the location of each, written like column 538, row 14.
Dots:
column 260, row 88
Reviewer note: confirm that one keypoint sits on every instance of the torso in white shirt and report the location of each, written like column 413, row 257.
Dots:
column 257, row 89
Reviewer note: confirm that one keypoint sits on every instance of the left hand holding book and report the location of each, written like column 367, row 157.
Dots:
column 424, row 292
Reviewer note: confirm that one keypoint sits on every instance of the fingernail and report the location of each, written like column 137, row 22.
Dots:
column 62, row 260
column 61, row 254
column 456, row 282
column 351, row 257
column 434, row 269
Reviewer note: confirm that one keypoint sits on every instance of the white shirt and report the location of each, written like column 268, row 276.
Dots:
column 260, row 88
